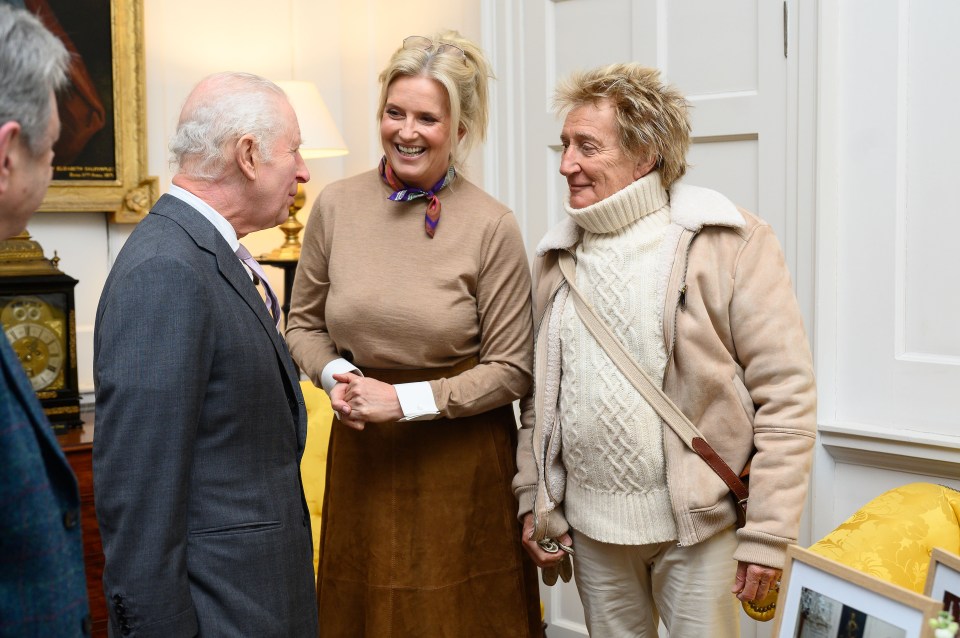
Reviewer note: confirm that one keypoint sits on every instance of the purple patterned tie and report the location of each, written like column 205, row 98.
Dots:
column 272, row 304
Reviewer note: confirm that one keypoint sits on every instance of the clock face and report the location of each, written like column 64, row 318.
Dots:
column 40, row 352
column 36, row 333
column 37, row 317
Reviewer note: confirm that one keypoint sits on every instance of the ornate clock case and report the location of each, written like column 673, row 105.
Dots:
column 38, row 318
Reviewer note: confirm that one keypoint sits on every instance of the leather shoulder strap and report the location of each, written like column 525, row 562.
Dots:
column 650, row 391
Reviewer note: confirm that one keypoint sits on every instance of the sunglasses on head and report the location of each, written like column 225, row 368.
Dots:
column 426, row 44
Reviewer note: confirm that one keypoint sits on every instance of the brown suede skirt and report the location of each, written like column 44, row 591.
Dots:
column 419, row 535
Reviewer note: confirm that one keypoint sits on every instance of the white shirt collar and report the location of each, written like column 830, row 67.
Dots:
column 205, row 209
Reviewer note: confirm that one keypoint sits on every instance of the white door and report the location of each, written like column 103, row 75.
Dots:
column 728, row 58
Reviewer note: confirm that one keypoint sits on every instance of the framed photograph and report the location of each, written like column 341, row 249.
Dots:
column 100, row 160
column 943, row 581
column 820, row 598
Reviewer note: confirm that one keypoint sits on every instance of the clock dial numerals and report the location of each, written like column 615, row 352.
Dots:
column 39, row 350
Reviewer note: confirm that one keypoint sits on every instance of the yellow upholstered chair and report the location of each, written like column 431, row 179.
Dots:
column 892, row 536
column 313, row 466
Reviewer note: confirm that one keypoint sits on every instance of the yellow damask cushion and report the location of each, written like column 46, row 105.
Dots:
column 892, row 536
column 313, row 465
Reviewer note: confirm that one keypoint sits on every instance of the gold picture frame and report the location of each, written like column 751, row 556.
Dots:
column 122, row 187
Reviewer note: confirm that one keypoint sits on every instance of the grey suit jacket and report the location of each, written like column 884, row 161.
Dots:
column 200, row 426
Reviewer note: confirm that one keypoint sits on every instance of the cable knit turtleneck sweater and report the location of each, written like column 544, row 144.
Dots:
column 612, row 439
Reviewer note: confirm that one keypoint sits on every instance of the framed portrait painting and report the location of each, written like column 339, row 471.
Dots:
column 943, row 581
column 99, row 162
column 820, row 598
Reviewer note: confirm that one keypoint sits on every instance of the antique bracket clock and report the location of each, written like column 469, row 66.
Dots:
column 38, row 317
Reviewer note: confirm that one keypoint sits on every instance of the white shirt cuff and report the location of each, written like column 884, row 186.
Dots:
column 337, row 366
column 416, row 401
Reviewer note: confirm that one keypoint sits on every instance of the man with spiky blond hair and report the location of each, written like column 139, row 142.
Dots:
column 692, row 294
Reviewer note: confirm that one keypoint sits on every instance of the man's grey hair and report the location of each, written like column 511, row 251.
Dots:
column 236, row 104
column 33, row 62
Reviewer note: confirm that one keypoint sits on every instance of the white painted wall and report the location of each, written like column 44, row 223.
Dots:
column 340, row 46
column 888, row 354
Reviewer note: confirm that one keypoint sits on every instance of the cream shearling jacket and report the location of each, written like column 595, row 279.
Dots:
column 739, row 367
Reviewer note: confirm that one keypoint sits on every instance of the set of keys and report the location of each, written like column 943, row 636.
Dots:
column 564, row 570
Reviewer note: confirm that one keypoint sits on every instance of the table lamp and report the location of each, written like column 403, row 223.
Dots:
column 320, row 138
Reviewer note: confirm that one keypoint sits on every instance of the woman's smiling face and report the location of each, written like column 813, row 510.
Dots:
column 415, row 130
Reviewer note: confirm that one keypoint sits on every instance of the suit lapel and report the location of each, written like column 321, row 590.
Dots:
column 235, row 274
column 209, row 239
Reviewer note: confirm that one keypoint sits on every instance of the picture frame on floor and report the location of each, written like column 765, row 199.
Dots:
column 943, row 581
column 820, row 597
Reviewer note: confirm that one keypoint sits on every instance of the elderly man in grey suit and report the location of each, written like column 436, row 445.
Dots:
column 200, row 419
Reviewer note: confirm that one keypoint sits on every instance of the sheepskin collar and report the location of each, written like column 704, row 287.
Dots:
column 691, row 207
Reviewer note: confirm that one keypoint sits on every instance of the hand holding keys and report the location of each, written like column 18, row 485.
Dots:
column 564, row 570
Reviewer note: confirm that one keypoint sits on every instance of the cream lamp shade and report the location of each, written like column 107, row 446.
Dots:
column 317, row 128
column 319, row 138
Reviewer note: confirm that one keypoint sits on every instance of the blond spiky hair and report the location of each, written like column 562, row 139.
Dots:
column 651, row 115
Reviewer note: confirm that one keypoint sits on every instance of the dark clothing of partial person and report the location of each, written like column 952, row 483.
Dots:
column 43, row 589
column 200, row 430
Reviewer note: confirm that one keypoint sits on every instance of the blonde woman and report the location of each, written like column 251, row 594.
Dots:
column 411, row 309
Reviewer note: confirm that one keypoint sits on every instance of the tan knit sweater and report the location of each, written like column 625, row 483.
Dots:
column 612, row 438
column 373, row 288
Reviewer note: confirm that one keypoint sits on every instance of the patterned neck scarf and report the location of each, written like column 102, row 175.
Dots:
column 404, row 193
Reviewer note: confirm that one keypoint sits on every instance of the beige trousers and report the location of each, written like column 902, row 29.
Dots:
column 626, row 589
